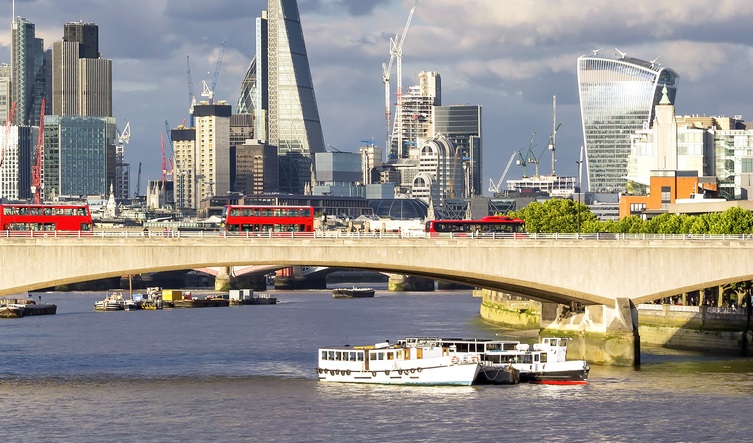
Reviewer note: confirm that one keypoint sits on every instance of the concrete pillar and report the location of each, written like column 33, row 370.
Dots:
column 402, row 283
column 720, row 297
column 684, row 298
column 606, row 335
column 701, row 297
column 224, row 281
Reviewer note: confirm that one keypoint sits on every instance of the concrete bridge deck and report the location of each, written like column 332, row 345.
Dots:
column 555, row 267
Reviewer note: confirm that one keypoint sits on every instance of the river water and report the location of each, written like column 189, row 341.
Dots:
column 246, row 373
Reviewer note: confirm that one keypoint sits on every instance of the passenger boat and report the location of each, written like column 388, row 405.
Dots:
column 413, row 361
column 546, row 363
column 353, row 292
column 112, row 302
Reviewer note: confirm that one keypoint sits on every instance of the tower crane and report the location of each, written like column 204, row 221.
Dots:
column 496, row 188
column 552, row 138
column 191, row 95
column 37, row 170
column 396, row 51
column 529, row 158
column 138, row 183
column 206, row 90
column 8, row 121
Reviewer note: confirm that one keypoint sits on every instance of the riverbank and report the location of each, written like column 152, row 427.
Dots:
column 705, row 329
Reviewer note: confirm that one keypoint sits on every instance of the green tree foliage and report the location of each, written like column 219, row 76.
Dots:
column 555, row 215
column 561, row 215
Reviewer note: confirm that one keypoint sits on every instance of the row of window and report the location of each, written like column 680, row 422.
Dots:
column 358, row 356
column 31, row 210
column 265, row 228
column 271, row 212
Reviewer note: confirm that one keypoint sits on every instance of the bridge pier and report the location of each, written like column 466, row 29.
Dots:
column 225, row 280
column 606, row 335
column 409, row 283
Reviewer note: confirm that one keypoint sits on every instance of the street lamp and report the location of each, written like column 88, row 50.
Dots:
column 577, row 189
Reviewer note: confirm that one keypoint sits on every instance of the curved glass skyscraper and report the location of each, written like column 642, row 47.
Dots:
column 279, row 88
column 617, row 97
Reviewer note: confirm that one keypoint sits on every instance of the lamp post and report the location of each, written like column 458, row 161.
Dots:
column 577, row 189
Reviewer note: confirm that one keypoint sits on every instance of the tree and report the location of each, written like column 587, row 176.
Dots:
column 555, row 215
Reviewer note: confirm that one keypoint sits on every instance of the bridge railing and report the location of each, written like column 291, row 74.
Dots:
column 154, row 233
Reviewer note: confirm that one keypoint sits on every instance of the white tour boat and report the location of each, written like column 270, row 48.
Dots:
column 546, row 363
column 112, row 302
column 413, row 361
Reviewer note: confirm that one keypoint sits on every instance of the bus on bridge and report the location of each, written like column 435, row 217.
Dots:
column 261, row 219
column 45, row 217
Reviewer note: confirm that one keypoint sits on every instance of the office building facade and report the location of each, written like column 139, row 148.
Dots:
column 287, row 117
column 28, row 80
column 461, row 124
column 617, row 97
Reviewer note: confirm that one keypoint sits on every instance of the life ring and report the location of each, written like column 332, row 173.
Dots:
column 419, row 369
column 387, row 372
column 337, row 372
column 455, row 360
column 413, row 371
column 373, row 373
column 399, row 372
column 320, row 370
column 347, row 372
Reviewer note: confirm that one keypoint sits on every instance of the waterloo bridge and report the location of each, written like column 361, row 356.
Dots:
column 609, row 275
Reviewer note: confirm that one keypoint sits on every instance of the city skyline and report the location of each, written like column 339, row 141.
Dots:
column 512, row 63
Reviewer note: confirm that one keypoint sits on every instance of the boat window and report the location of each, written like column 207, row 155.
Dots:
column 331, row 355
column 399, row 354
column 372, row 356
column 380, row 355
column 359, row 355
column 543, row 358
column 338, row 355
column 536, row 357
column 526, row 358
column 390, row 355
column 324, row 355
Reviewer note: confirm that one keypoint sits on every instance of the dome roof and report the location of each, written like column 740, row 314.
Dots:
column 400, row 208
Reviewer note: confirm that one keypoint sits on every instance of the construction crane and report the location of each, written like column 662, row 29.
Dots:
column 191, row 95
column 8, row 121
column 37, row 169
column 530, row 157
column 552, row 138
column 396, row 51
column 138, row 183
column 497, row 187
column 206, row 90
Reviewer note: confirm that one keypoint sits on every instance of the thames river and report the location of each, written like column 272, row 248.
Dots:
column 246, row 373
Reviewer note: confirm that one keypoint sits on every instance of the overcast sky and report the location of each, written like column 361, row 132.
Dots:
column 510, row 56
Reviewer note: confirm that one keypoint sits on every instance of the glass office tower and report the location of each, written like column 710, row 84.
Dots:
column 281, row 69
column 617, row 97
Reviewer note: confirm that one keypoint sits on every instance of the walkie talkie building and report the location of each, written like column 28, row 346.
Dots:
column 617, row 97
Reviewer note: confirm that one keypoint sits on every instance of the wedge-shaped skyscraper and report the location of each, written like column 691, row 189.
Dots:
column 279, row 90
column 617, row 97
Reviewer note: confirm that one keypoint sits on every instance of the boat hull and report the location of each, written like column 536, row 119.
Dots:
column 353, row 293
column 568, row 377
column 498, row 375
column 456, row 375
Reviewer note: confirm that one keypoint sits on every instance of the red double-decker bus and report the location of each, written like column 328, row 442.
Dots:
column 486, row 225
column 23, row 217
column 261, row 219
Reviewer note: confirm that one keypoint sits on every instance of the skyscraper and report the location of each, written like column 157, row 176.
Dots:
column 282, row 94
column 81, row 79
column 28, row 81
column 461, row 124
column 617, row 96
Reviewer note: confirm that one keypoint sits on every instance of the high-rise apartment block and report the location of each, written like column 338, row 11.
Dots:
column 617, row 97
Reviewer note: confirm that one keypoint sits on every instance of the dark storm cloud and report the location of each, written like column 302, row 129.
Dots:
column 355, row 8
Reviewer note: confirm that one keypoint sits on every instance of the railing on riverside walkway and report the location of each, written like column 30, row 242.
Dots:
column 155, row 233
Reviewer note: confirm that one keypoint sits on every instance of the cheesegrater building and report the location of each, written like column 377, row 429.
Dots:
column 279, row 91
column 617, row 97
